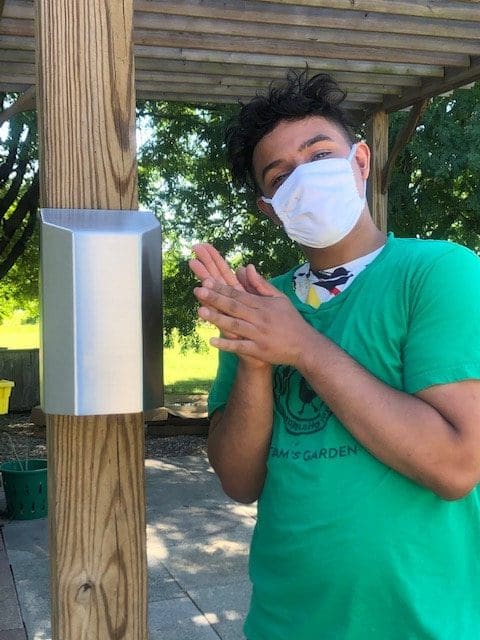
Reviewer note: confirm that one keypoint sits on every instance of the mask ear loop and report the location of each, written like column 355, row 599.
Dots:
column 352, row 152
column 349, row 158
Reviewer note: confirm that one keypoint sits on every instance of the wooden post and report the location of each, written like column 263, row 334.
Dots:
column 86, row 107
column 378, row 142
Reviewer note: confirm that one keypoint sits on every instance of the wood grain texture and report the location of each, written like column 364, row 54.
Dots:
column 86, row 98
column 97, row 527
column 96, row 471
column 378, row 142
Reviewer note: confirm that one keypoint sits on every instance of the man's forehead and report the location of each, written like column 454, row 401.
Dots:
column 292, row 135
column 294, row 130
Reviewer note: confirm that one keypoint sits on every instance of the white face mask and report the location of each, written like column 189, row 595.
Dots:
column 319, row 203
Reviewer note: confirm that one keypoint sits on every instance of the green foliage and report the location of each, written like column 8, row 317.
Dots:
column 19, row 287
column 435, row 189
column 18, row 185
column 18, row 207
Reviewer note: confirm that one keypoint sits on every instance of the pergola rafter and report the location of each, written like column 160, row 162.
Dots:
column 387, row 55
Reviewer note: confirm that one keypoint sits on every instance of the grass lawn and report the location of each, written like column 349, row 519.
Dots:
column 184, row 373
column 190, row 372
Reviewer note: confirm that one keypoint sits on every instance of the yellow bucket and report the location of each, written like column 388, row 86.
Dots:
column 5, row 391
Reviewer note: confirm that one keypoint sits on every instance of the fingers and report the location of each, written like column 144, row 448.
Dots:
column 226, row 299
column 243, row 279
column 230, row 327
column 214, row 265
column 240, row 347
column 254, row 281
column 198, row 269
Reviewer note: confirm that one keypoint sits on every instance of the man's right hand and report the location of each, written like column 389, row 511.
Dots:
column 208, row 263
column 239, row 437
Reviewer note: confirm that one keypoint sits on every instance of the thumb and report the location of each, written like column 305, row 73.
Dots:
column 256, row 282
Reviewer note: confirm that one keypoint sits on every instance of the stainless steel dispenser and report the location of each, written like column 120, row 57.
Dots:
column 101, row 312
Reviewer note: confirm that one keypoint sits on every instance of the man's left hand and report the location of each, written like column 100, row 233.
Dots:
column 269, row 328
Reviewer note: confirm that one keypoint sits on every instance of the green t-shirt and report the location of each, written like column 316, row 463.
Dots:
column 346, row 548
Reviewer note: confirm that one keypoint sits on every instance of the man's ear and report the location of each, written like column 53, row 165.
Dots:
column 362, row 156
column 267, row 210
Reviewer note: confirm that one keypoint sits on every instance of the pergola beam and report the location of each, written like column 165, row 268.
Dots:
column 306, row 13
column 227, row 70
column 307, row 34
column 461, row 10
column 221, row 35
column 287, row 61
column 453, row 79
column 203, row 84
column 246, row 57
column 445, row 19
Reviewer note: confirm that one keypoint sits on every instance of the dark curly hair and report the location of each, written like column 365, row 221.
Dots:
column 292, row 99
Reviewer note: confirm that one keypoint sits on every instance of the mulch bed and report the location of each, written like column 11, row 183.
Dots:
column 18, row 431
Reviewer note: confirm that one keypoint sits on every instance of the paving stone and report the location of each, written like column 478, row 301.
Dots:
column 29, row 568
column 225, row 607
column 27, row 534
column 161, row 585
column 210, row 561
column 13, row 634
column 10, row 618
column 178, row 619
column 35, row 605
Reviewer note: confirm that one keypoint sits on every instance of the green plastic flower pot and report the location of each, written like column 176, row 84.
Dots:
column 25, row 487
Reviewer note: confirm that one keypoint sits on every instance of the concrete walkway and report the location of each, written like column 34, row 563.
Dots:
column 197, row 545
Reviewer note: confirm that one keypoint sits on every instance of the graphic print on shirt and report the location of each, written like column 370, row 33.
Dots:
column 331, row 280
column 298, row 404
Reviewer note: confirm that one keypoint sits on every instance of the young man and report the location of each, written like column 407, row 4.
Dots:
column 347, row 399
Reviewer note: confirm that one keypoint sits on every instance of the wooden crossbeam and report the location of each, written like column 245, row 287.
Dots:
column 305, row 13
column 276, row 58
column 24, row 73
column 461, row 10
column 262, row 74
column 329, row 23
column 288, row 61
column 307, row 34
column 453, row 79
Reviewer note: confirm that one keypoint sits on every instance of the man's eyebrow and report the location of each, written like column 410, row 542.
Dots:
column 308, row 143
column 311, row 141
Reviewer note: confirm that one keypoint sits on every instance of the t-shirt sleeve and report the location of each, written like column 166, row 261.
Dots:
column 222, row 385
column 443, row 338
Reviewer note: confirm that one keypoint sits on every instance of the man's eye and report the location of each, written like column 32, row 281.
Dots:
column 320, row 155
column 277, row 181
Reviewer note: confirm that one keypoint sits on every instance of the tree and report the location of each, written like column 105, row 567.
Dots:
column 18, row 209
column 435, row 188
